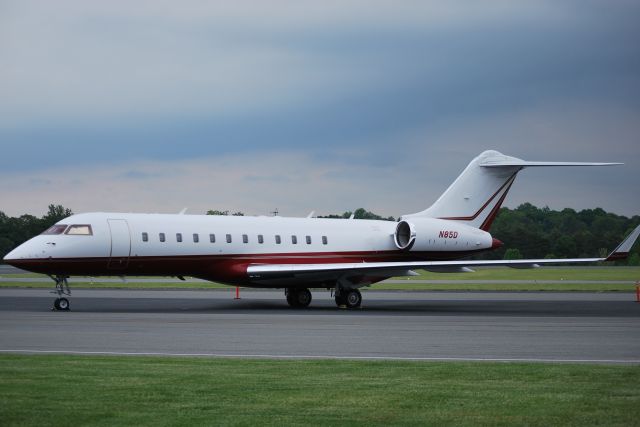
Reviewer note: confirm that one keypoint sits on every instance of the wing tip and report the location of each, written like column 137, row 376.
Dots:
column 624, row 248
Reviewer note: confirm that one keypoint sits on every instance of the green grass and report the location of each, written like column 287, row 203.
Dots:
column 96, row 390
column 585, row 274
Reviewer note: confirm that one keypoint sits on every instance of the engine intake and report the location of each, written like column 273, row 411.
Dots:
column 405, row 235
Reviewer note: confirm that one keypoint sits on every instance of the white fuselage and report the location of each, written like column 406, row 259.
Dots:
column 182, row 245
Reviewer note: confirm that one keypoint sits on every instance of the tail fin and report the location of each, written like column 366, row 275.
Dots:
column 476, row 195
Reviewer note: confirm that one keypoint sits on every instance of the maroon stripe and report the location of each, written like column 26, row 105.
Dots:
column 486, row 225
column 220, row 268
column 617, row 256
column 474, row 216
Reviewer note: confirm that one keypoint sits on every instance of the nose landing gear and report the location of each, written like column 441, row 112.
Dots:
column 62, row 288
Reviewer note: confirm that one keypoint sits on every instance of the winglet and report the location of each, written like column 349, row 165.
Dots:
column 622, row 251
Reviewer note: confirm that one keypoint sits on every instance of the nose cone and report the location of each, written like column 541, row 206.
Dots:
column 495, row 243
column 22, row 257
column 13, row 255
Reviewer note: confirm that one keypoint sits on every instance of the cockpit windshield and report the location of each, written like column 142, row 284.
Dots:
column 79, row 230
column 55, row 229
column 72, row 230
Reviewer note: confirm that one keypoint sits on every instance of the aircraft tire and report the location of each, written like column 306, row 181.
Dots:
column 303, row 297
column 63, row 304
column 291, row 297
column 299, row 298
column 353, row 298
column 341, row 299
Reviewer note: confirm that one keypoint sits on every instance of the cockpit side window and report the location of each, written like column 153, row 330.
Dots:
column 80, row 230
column 55, row 229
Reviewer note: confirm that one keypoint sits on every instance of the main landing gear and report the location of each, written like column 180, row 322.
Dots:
column 62, row 288
column 345, row 298
column 349, row 298
column 298, row 298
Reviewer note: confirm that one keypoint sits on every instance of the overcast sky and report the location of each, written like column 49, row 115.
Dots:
column 303, row 105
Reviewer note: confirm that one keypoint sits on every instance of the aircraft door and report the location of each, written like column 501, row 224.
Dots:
column 120, row 244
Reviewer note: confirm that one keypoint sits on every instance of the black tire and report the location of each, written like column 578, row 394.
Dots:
column 303, row 298
column 341, row 300
column 63, row 304
column 353, row 298
column 298, row 298
column 56, row 304
column 291, row 297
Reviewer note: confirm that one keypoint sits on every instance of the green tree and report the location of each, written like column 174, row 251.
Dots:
column 360, row 213
column 216, row 212
column 6, row 246
column 512, row 253
column 54, row 214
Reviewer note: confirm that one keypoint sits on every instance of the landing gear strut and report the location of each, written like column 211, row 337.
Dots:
column 298, row 298
column 62, row 288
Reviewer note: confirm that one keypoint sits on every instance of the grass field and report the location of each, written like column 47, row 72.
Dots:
column 96, row 390
column 587, row 277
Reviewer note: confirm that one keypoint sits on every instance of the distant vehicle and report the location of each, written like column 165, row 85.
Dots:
column 294, row 254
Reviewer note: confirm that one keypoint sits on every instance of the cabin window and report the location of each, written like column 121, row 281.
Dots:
column 245, row 238
column 55, row 229
column 228, row 238
column 324, row 240
column 196, row 238
column 260, row 239
column 79, row 230
column 294, row 240
column 278, row 239
column 179, row 237
column 162, row 238
column 212, row 238
column 308, row 240
column 145, row 237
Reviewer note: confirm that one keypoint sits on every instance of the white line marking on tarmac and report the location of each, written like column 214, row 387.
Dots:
column 328, row 356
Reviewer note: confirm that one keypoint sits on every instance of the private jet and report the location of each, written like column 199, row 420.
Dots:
column 294, row 254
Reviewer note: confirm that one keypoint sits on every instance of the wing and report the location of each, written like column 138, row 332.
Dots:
column 364, row 273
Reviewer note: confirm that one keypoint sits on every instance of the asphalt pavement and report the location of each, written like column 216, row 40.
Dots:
column 509, row 326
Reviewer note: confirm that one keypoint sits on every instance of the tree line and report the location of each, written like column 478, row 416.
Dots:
column 527, row 231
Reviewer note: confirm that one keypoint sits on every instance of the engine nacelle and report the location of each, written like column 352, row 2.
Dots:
column 432, row 234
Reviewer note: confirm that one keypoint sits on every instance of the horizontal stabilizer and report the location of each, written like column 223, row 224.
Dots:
column 492, row 163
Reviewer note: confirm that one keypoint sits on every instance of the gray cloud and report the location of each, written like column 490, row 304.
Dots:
column 364, row 90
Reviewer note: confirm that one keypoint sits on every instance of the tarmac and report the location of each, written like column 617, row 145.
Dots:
column 394, row 325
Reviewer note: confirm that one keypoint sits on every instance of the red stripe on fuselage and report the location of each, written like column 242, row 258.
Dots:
column 230, row 268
